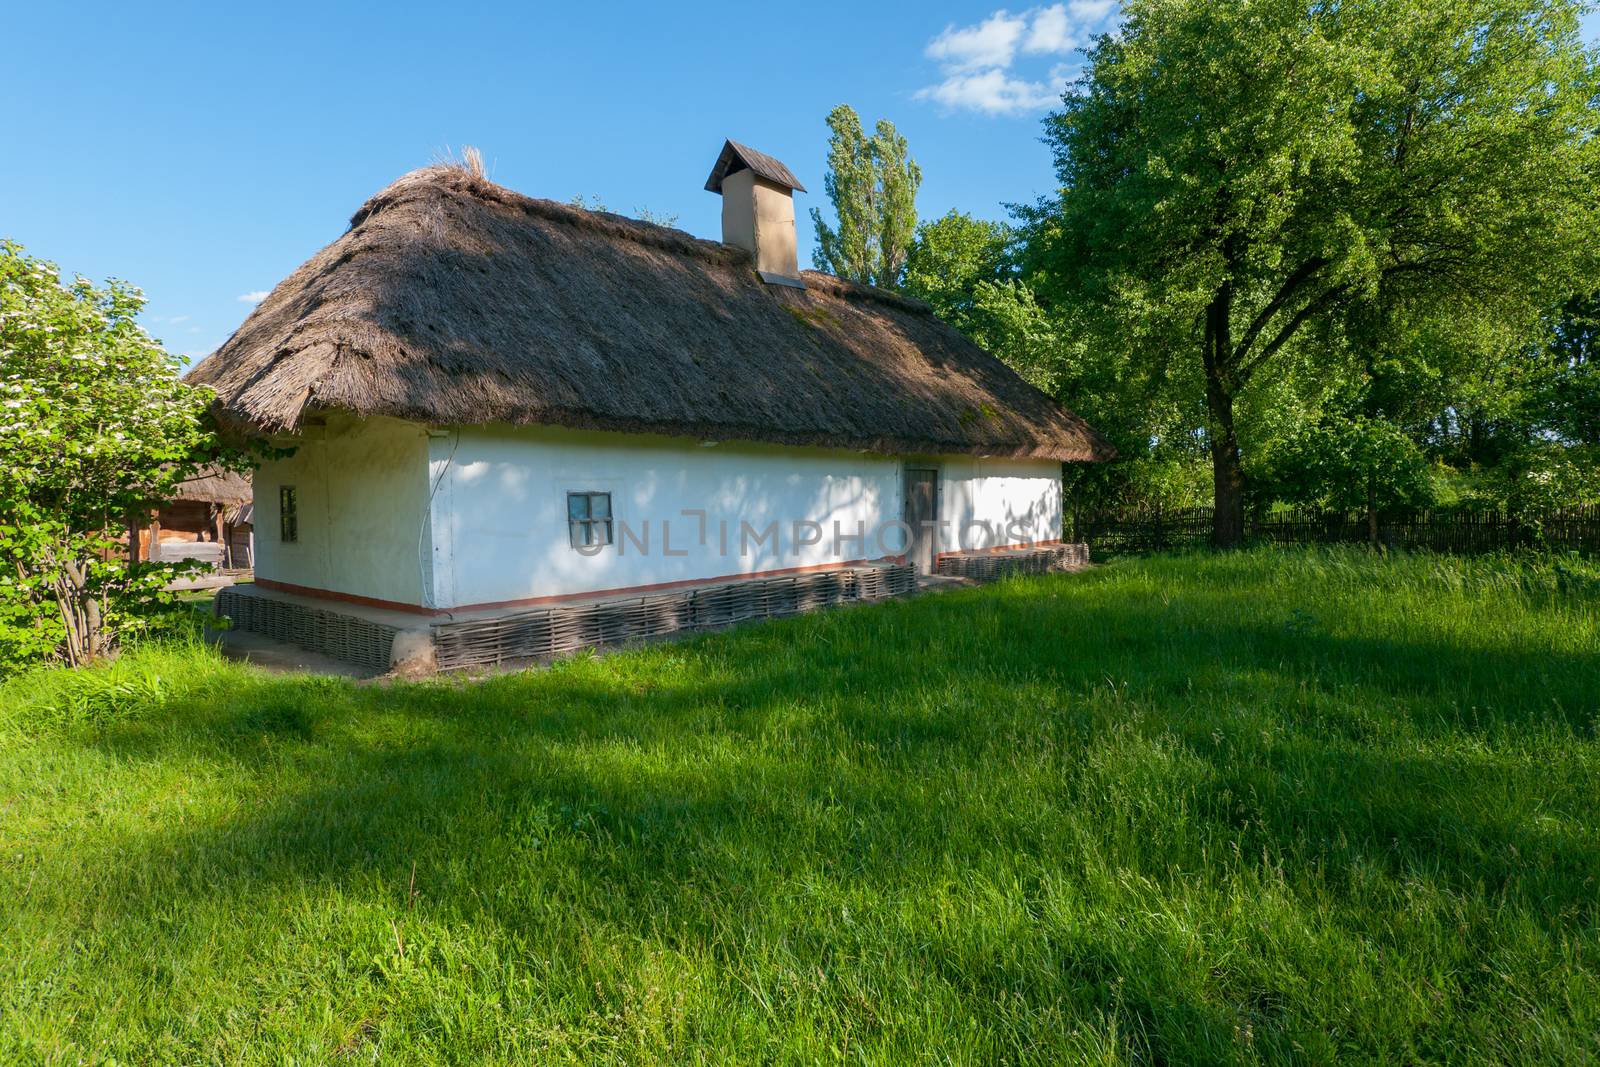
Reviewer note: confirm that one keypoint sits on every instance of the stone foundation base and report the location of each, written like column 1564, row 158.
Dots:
column 385, row 641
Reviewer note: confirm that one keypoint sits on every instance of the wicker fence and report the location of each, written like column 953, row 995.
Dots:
column 332, row 633
column 1565, row 529
column 544, row 632
column 987, row 566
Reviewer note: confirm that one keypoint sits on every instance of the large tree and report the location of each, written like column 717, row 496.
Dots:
column 1243, row 175
column 872, row 183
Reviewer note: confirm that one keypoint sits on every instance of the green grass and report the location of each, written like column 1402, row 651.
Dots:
column 1279, row 806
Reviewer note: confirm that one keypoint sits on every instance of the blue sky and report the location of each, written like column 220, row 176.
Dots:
column 205, row 151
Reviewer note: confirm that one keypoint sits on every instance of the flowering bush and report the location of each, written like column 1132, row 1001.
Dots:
column 96, row 428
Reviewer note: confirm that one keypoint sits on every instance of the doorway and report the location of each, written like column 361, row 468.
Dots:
column 922, row 516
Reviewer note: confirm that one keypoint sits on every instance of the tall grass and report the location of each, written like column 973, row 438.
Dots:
column 1285, row 806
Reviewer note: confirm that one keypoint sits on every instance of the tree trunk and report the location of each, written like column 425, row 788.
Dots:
column 1227, row 471
column 1227, row 518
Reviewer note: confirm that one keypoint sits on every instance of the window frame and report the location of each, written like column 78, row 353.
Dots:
column 583, row 523
column 288, row 515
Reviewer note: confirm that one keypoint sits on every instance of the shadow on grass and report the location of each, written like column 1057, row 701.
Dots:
column 686, row 793
column 892, row 706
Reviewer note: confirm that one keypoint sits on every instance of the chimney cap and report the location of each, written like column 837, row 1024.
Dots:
column 736, row 157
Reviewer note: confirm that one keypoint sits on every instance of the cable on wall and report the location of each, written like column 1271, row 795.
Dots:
column 424, row 573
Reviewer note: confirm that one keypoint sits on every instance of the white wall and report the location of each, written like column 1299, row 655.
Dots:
column 362, row 494
column 495, row 527
column 1019, row 499
column 500, row 513
column 500, row 520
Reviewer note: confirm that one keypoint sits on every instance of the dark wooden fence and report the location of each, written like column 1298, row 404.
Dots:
column 1575, row 529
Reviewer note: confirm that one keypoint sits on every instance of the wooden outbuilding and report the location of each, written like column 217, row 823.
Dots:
column 210, row 519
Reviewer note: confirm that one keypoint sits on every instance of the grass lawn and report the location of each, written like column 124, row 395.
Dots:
column 1290, row 806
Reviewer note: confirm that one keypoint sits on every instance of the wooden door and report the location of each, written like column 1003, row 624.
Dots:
column 922, row 515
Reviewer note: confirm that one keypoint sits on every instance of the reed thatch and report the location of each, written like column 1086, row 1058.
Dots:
column 214, row 485
column 454, row 301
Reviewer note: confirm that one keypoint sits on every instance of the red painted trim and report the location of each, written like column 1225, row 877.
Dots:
column 415, row 609
column 344, row 598
column 1001, row 548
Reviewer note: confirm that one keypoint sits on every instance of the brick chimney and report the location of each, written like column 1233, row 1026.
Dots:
column 758, row 210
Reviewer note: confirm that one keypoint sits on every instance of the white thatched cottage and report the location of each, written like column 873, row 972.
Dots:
column 511, row 416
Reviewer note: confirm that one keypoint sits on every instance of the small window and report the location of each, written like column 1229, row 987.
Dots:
column 288, row 514
column 589, row 519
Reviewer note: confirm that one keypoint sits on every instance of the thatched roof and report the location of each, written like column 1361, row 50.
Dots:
column 213, row 485
column 454, row 301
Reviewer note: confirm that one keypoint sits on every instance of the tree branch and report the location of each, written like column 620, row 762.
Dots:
column 1311, row 308
column 1298, row 277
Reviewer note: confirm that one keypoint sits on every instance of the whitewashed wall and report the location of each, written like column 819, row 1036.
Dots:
column 500, row 512
column 362, row 496
column 489, row 505
column 1019, row 500
column 500, row 521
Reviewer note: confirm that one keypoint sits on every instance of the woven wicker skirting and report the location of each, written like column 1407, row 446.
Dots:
column 333, row 633
column 986, row 566
column 550, row 631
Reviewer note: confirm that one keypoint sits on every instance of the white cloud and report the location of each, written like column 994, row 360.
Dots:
column 977, row 61
column 1051, row 31
column 1092, row 10
column 992, row 92
column 254, row 297
column 990, row 43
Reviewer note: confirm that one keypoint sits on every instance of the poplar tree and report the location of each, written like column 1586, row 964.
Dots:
column 872, row 183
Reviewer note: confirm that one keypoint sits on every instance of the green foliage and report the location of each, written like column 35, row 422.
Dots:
column 1341, row 464
column 966, row 268
column 1518, row 423
column 1298, row 807
column 952, row 259
column 1565, row 389
column 1539, row 479
column 1121, row 393
column 1010, row 323
column 157, row 667
column 95, row 427
column 1251, row 186
column 1358, row 443
column 872, row 183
